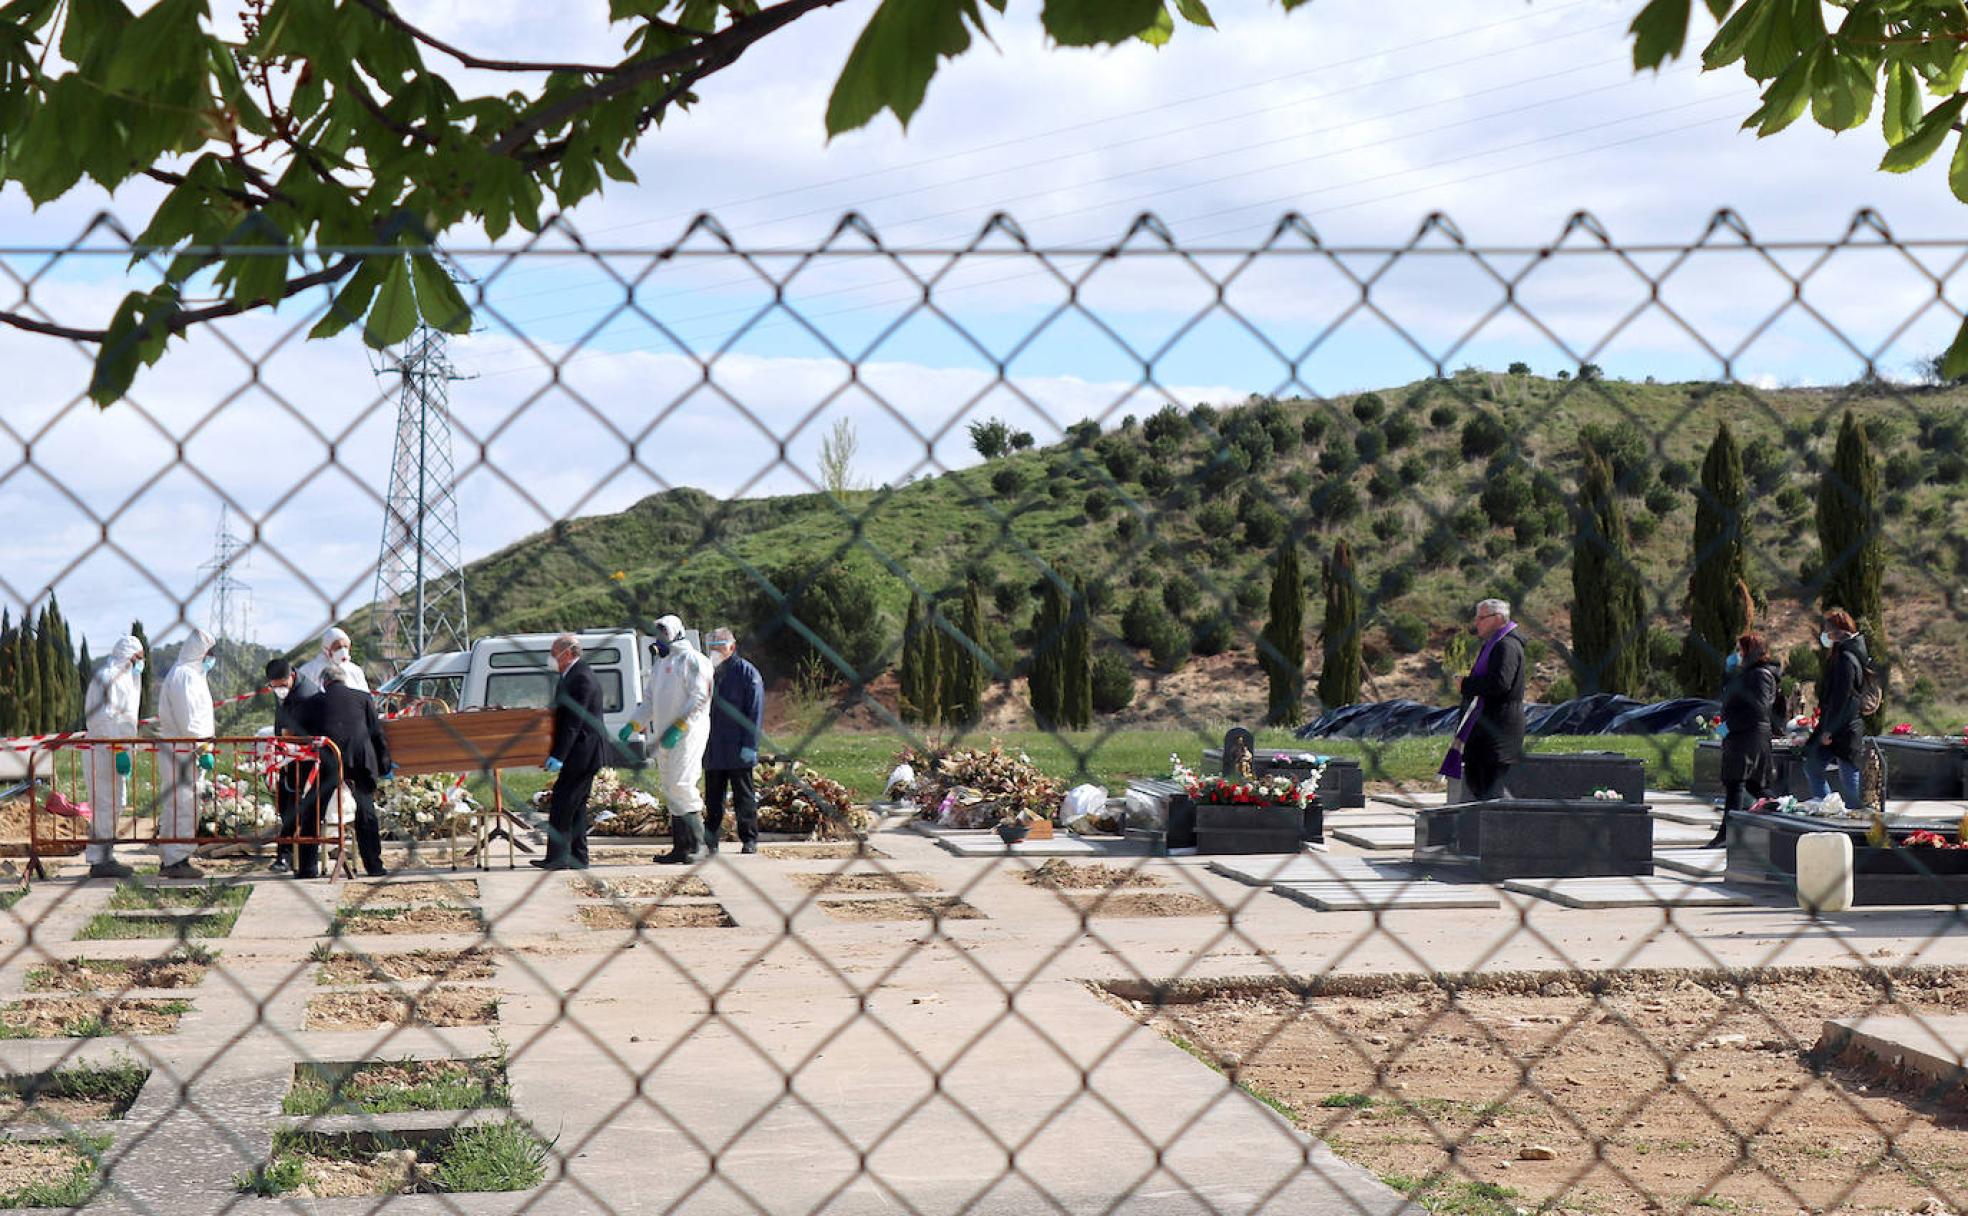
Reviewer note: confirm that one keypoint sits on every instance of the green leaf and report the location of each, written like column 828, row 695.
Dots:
column 1841, row 91
column 350, row 302
column 1659, row 33
column 1099, row 22
column 1732, row 40
column 1926, row 139
column 395, row 313
column 1784, row 99
column 1958, row 169
column 1954, row 364
column 136, row 337
column 1163, row 29
column 1902, row 103
column 1195, row 12
column 894, row 58
column 438, row 298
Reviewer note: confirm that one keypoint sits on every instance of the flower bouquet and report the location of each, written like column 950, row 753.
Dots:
column 228, row 806
column 977, row 789
column 422, row 807
column 796, row 800
column 616, row 808
column 1275, row 790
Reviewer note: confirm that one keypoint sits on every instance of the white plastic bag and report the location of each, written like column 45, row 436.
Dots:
column 901, row 779
column 1085, row 810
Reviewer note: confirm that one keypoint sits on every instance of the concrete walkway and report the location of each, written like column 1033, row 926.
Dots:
column 802, row 1063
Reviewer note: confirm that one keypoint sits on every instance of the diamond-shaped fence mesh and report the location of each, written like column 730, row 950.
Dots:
column 1106, row 622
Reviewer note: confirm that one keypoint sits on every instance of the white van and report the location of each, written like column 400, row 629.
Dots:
column 439, row 676
column 516, row 671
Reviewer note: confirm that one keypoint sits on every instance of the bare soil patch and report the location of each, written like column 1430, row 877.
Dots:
column 418, row 918
column 820, row 852
column 1661, row 1074
column 657, row 916
column 1146, row 904
column 863, row 911
column 435, row 1007
column 82, row 1017
column 1082, row 876
column 38, row 1171
column 640, row 886
column 365, row 894
column 863, row 883
column 416, row 965
column 112, row 974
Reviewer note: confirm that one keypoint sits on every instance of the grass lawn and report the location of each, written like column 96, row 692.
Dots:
column 861, row 760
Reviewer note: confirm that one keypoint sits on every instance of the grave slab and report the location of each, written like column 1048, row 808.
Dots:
column 1932, row 1047
column 1627, row 892
column 1701, row 816
column 1384, row 840
column 1683, row 835
column 1386, row 896
column 1059, row 846
column 1701, row 863
column 1263, row 871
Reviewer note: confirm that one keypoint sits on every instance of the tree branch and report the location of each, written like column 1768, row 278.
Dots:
column 722, row 49
column 178, row 179
column 388, row 15
column 185, row 320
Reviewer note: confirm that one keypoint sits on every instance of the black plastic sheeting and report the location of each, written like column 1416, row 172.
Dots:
column 1601, row 714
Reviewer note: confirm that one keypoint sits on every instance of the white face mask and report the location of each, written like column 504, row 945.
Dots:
column 280, row 693
column 1824, row 639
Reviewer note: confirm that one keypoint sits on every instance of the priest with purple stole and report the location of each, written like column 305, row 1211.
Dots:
column 1490, row 736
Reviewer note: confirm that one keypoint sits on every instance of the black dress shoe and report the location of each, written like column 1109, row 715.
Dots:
column 751, row 846
column 671, row 859
column 378, row 872
column 547, row 863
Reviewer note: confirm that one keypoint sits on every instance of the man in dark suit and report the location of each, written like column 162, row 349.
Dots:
column 1497, row 740
column 347, row 719
column 293, row 779
column 737, row 710
column 575, row 758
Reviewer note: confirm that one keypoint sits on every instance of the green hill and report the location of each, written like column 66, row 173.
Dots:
column 1448, row 490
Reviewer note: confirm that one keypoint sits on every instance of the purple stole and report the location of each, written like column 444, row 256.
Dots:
column 1452, row 763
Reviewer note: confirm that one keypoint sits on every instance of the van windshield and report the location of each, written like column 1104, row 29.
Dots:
column 535, row 689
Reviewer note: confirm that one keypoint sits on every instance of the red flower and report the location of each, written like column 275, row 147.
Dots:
column 1904, row 728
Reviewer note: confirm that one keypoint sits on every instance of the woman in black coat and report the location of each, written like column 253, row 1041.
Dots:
column 1841, row 728
column 1752, row 711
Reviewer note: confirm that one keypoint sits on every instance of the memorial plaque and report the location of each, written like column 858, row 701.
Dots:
column 1763, row 849
column 1527, row 838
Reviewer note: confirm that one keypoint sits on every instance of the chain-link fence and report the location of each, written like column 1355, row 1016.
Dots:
column 1020, row 541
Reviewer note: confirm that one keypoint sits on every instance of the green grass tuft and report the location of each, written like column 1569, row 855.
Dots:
column 71, row 1190
column 468, row 1086
column 107, row 926
column 117, row 1083
column 505, row 1156
column 1446, row 1198
column 1346, row 1102
column 141, row 897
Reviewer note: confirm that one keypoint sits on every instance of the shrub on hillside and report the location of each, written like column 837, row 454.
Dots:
column 1222, row 469
column 1166, row 427
column 1483, row 435
column 1407, row 633
column 1253, row 593
column 1216, row 518
column 1313, row 428
column 1400, row 431
column 1156, row 477
column 1369, row 443
column 1368, row 407
column 1334, row 501
column 1506, row 495
column 1904, row 470
column 1413, row 470
column 1212, row 635
column 1009, row 596
column 1097, row 504
column 1138, row 619
column 1123, row 461
column 1113, row 683
column 1127, row 525
column 1168, row 642
column 1180, row 596
column 1337, row 459
column 1442, row 416
column 1384, row 485
column 1662, row 500
column 1008, row 480
column 1626, row 448
column 1263, row 527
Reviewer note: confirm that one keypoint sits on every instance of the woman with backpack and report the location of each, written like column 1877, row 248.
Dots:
column 1844, row 689
column 1752, row 711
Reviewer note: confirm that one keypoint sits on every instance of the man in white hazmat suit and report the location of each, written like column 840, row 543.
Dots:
column 110, row 706
column 676, row 713
column 334, row 649
column 184, row 711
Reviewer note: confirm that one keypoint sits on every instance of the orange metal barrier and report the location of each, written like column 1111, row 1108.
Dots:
column 171, row 795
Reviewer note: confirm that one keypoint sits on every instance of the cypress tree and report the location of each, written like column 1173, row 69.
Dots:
column 1717, row 614
column 967, row 670
column 1281, row 648
column 84, row 671
column 8, row 724
column 48, row 655
column 1848, row 537
column 68, row 689
column 1048, row 642
column 946, row 674
column 27, row 663
column 1608, row 654
column 1076, row 675
column 908, row 669
column 1339, row 635
column 146, row 686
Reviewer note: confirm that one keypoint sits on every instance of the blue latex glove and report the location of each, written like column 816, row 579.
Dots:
column 391, row 774
column 553, row 764
column 672, row 736
column 122, row 763
column 206, row 762
column 749, row 755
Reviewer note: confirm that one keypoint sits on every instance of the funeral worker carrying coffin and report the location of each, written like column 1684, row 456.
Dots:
column 1752, row 710
column 1489, row 734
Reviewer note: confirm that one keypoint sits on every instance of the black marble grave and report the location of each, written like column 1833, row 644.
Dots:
column 1538, row 838
column 1249, row 829
column 1789, row 776
column 1342, row 783
column 1922, row 768
column 1565, row 776
column 1763, row 849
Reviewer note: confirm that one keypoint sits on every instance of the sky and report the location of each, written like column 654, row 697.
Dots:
column 594, row 379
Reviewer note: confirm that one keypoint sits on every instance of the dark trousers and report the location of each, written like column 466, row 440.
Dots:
column 362, row 791
column 1482, row 776
column 300, row 814
column 744, row 803
column 567, row 816
column 1747, row 767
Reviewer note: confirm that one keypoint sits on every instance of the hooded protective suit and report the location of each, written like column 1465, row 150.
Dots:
column 184, row 711
column 677, row 692
column 110, row 704
column 309, row 673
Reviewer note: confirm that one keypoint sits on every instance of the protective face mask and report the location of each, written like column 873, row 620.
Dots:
column 210, row 663
column 1824, row 640
column 137, row 667
column 1732, row 662
column 662, row 650
column 338, row 655
column 280, row 694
